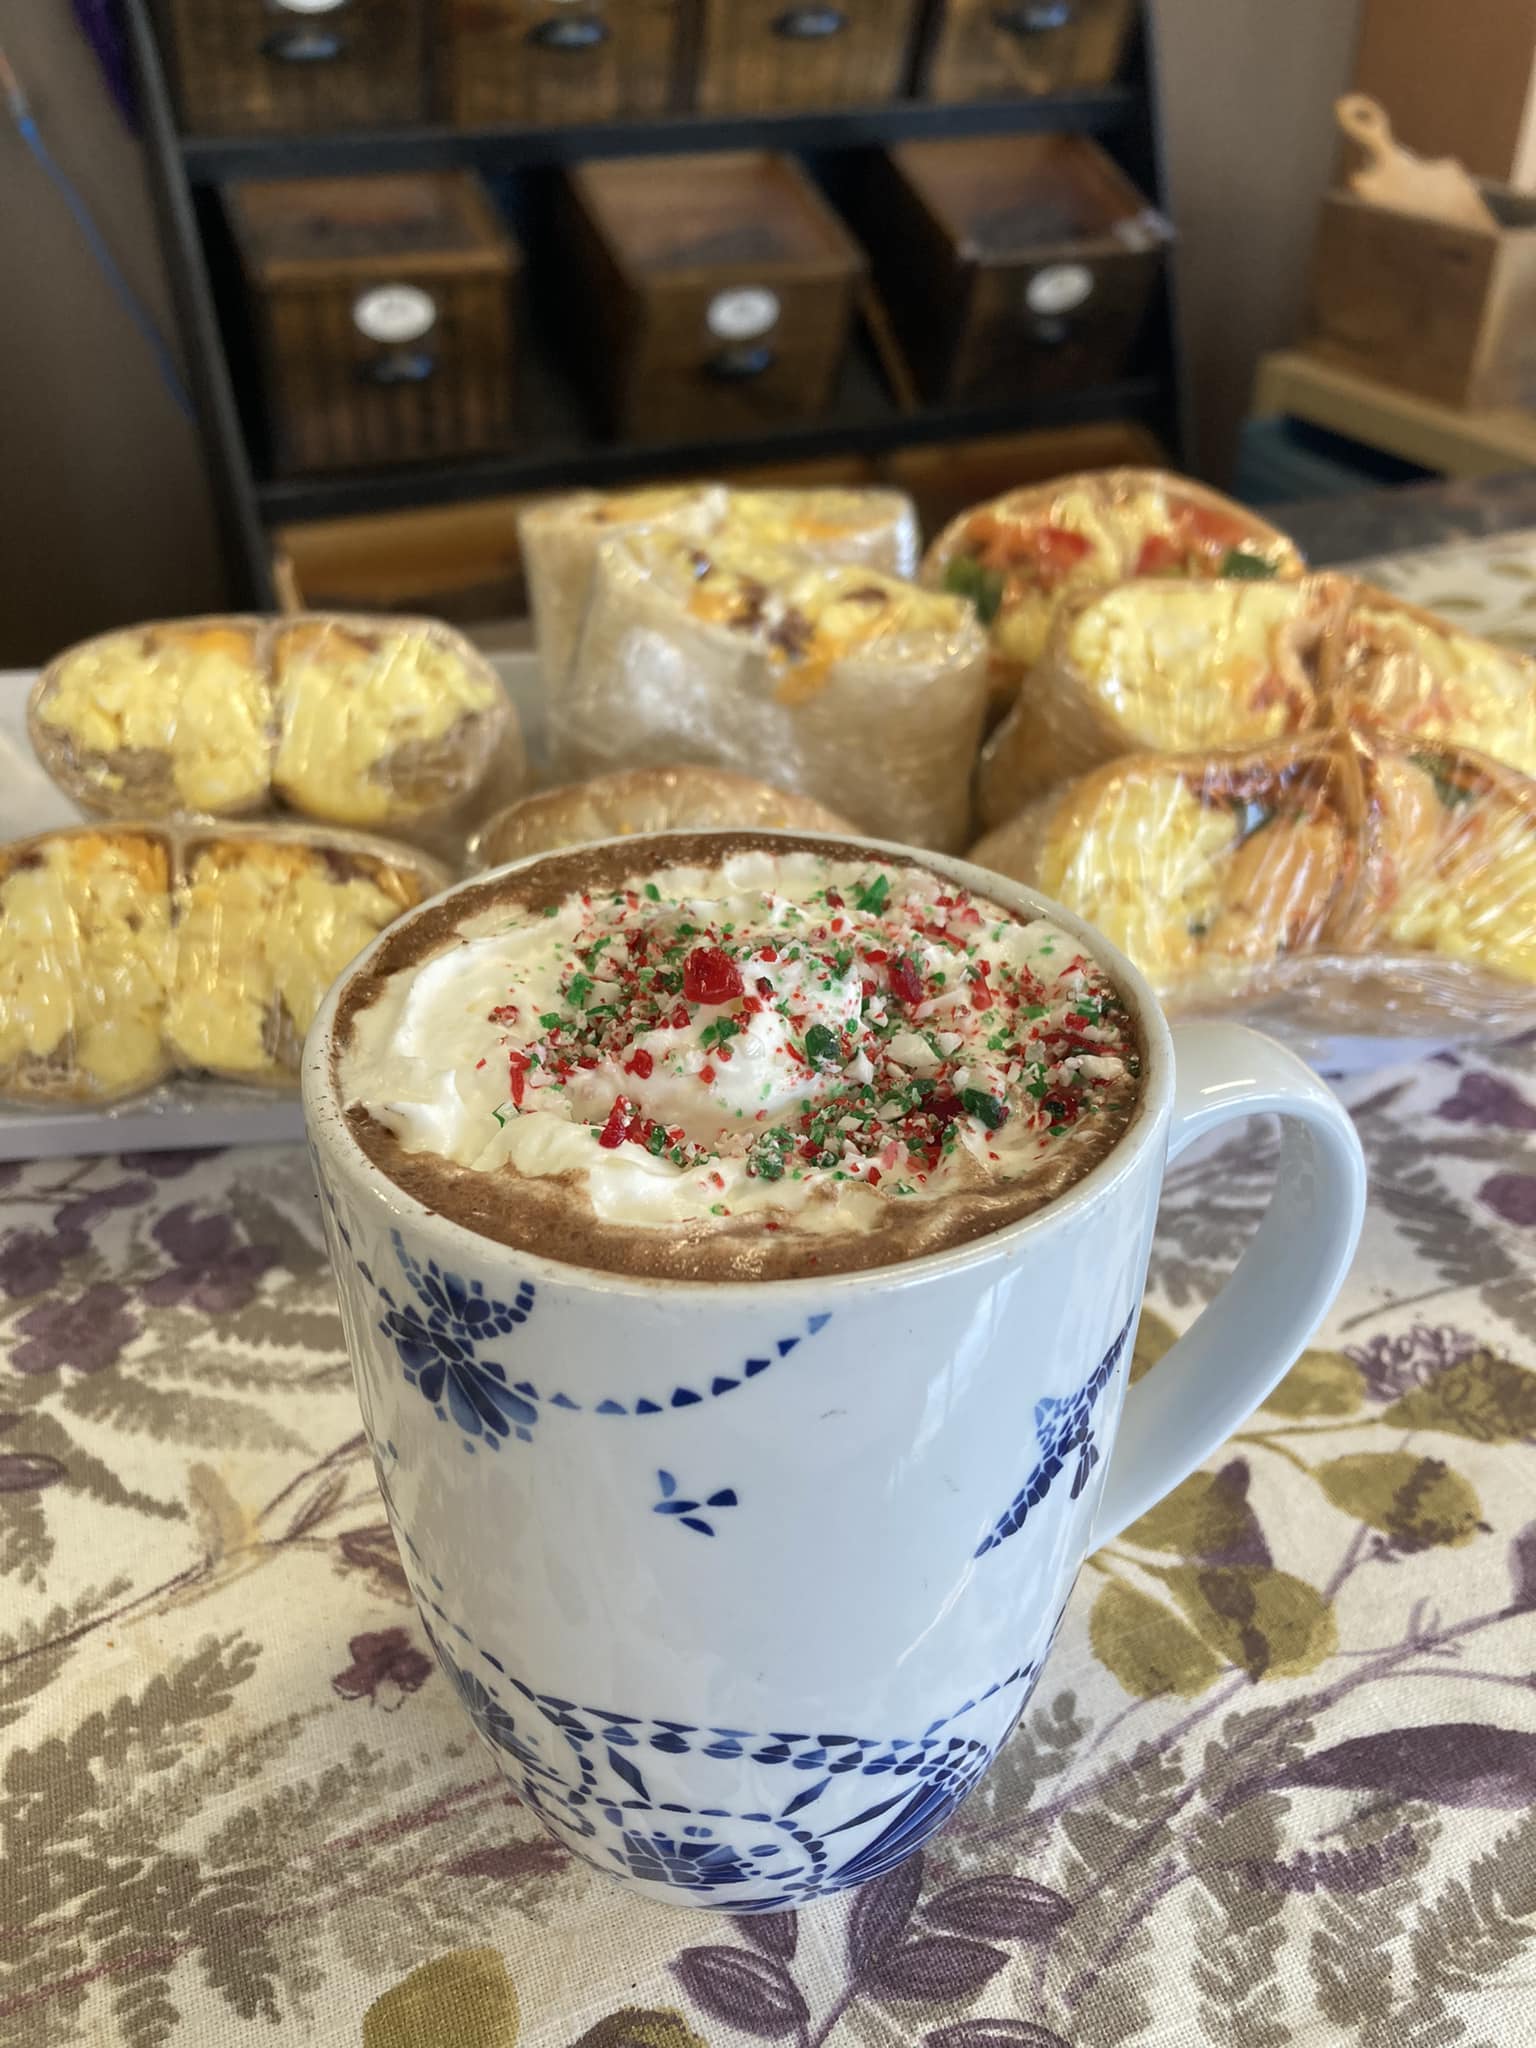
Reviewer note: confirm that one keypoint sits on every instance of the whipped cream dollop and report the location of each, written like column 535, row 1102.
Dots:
column 783, row 1040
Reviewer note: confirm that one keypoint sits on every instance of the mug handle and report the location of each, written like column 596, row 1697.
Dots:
column 1284, row 1284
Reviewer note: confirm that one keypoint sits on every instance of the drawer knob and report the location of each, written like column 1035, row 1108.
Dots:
column 308, row 45
column 1034, row 17
column 735, row 365
column 810, row 24
column 572, row 32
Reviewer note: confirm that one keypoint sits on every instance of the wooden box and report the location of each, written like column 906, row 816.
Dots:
column 1448, row 312
column 384, row 316
column 756, row 55
column 547, row 62
column 715, row 294
column 981, row 50
column 1009, row 265
column 248, row 66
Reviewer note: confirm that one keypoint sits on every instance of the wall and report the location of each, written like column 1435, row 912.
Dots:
column 1248, row 90
column 1457, row 81
column 104, row 511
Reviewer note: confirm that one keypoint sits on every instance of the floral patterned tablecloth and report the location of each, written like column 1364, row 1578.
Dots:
column 1276, row 1789
column 1276, row 1785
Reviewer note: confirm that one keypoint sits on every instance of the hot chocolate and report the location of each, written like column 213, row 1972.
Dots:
column 732, row 1056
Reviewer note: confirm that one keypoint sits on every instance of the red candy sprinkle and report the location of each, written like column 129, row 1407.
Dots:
column 706, row 1074
column 905, row 981
column 710, row 975
column 764, row 985
column 611, row 1137
column 640, row 1063
column 517, row 1064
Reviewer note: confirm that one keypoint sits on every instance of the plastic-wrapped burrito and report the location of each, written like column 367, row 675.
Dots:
column 1396, row 666
column 644, row 800
column 833, row 681
column 1205, row 868
column 1341, row 883
column 129, row 953
column 344, row 718
column 1163, row 666
column 1448, row 858
column 1018, row 557
column 560, row 540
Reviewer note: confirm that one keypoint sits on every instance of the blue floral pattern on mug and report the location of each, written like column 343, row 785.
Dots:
column 439, row 1339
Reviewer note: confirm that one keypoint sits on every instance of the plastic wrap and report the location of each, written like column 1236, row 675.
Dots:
column 129, row 953
column 1018, row 557
column 1166, row 666
column 1341, row 882
column 835, row 682
column 1394, row 666
column 560, row 540
column 643, row 800
column 1153, row 665
column 349, row 719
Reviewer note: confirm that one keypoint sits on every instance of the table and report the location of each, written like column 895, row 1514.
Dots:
column 1276, row 1785
column 1276, row 1789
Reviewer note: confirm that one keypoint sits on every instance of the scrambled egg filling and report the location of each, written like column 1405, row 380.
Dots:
column 1423, row 678
column 807, row 616
column 1194, row 883
column 195, row 695
column 85, row 958
column 1141, row 857
column 262, row 933
column 1465, row 862
column 350, row 702
column 847, row 526
column 1180, row 665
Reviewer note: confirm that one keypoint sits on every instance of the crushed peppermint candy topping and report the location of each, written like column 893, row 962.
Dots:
column 740, row 1040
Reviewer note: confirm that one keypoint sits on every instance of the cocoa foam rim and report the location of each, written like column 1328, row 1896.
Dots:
column 326, row 1114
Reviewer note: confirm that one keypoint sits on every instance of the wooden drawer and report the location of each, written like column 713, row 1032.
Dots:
column 545, row 62
column 242, row 66
column 760, row 54
column 384, row 316
column 1009, row 264
column 714, row 294
column 982, row 50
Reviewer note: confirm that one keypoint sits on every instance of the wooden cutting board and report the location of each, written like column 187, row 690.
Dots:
column 1394, row 176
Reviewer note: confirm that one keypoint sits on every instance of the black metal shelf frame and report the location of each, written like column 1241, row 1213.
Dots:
column 186, row 170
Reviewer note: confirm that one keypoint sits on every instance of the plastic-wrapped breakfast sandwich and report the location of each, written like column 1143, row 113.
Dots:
column 383, row 723
column 1166, row 666
column 129, row 953
column 85, row 964
column 265, row 921
column 646, row 800
column 1403, row 669
column 1020, row 556
column 378, row 721
column 161, row 720
column 561, row 537
column 833, row 681
column 1206, row 868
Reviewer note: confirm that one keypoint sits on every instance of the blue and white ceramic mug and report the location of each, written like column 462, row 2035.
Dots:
column 744, row 1584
